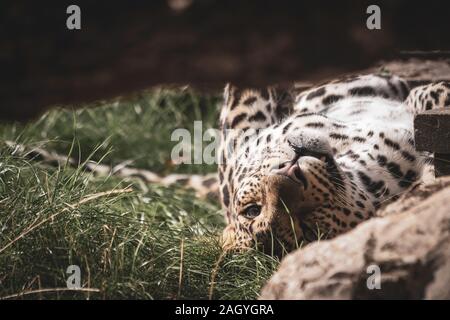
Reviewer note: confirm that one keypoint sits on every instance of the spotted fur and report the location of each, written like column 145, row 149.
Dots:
column 317, row 164
column 298, row 167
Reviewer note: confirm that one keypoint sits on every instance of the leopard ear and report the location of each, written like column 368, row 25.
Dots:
column 228, row 92
column 284, row 100
column 228, row 216
column 283, row 94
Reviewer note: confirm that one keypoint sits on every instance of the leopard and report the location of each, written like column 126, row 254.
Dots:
column 301, row 165
column 297, row 167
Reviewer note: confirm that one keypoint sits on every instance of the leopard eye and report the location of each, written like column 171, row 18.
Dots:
column 252, row 211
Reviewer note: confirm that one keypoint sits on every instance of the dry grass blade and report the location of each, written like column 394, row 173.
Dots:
column 214, row 274
column 86, row 199
column 46, row 290
column 180, row 281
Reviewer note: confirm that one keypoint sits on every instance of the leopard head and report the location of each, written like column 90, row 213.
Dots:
column 285, row 194
column 281, row 185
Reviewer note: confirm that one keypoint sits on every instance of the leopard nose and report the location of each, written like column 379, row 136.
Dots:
column 290, row 169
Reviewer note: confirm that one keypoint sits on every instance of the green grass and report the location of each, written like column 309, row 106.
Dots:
column 152, row 243
column 136, row 128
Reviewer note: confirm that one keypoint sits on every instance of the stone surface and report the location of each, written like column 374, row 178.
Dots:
column 418, row 71
column 432, row 131
column 411, row 199
column 410, row 244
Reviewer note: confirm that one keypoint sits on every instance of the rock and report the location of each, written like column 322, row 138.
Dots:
column 411, row 199
column 410, row 244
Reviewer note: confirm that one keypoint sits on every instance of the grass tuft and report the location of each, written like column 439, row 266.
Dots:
column 130, row 239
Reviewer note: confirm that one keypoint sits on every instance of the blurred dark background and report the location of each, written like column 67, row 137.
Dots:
column 124, row 46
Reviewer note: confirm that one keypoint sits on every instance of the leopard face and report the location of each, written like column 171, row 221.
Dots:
column 283, row 194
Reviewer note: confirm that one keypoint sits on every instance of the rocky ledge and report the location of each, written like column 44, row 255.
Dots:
column 402, row 254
